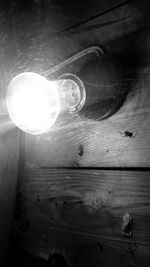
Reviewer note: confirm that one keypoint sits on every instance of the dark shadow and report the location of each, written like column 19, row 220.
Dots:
column 57, row 260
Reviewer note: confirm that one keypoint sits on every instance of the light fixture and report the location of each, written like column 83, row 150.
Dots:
column 34, row 103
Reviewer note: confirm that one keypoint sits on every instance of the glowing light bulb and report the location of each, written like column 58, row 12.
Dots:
column 34, row 103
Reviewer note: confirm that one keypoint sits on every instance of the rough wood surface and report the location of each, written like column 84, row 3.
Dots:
column 80, row 213
column 9, row 138
column 9, row 160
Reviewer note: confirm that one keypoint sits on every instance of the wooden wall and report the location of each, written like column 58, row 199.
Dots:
column 9, row 161
column 85, row 185
column 9, row 140
column 74, row 199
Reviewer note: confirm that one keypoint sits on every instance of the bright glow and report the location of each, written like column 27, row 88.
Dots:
column 33, row 102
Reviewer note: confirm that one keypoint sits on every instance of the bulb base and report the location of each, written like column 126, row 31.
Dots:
column 72, row 92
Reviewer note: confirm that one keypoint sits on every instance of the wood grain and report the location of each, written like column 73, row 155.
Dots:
column 9, row 160
column 69, row 209
column 9, row 137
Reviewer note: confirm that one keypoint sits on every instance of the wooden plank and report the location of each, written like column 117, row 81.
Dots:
column 103, row 143
column 50, row 23
column 9, row 159
column 75, row 211
column 9, row 136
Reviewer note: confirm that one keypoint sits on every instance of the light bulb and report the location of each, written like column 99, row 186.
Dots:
column 34, row 103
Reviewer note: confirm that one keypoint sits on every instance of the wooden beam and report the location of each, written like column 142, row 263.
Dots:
column 75, row 211
column 9, row 160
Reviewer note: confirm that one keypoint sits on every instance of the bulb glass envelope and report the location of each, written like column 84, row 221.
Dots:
column 34, row 102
